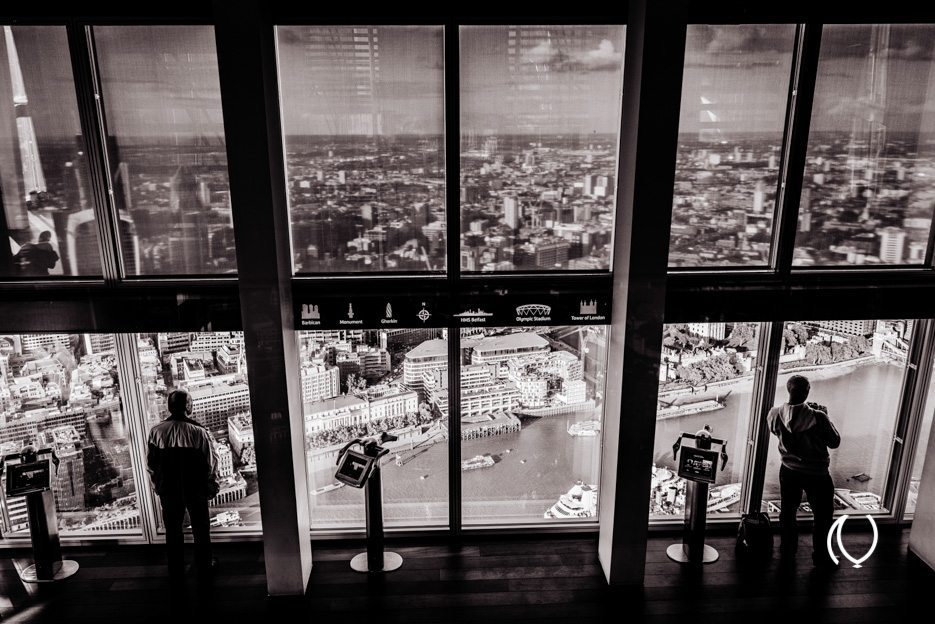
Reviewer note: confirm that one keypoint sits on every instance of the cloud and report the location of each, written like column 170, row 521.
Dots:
column 911, row 49
column 908, row 42
column 602, row 58
column 744, row 38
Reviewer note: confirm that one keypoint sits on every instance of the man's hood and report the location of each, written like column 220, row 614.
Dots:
column 797, row 418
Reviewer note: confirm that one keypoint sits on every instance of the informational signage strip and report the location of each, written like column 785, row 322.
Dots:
column 509, row 310
column 368, row 313
column 524, row 310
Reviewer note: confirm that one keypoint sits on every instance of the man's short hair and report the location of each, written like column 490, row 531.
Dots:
column 45, row 236
column 178, row 402
column 798, row 387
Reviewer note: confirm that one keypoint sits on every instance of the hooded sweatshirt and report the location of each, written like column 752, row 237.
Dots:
column 805, row 435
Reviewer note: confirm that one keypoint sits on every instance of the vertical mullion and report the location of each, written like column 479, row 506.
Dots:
column 798, row 121
column 930, row 249
column 453, row 274
column 134, row 415
column 769, row 348
column 6, row 251
column 94, row 130
column 911, row 410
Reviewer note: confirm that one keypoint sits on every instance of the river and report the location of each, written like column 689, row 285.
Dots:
column 541, row 462
column 862, row 402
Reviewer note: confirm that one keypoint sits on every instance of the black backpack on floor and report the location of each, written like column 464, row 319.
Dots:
column 754, row 536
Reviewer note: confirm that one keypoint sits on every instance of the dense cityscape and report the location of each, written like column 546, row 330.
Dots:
column 62, row 391
column 855, row 208
column 537, row 204
column 362, row 204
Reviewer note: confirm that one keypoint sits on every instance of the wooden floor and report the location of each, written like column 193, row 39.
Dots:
column 547, row 579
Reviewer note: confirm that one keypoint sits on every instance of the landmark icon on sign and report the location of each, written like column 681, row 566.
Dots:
column 309, row 312
column 533, row 309
column 389, row 310
column 350, row 310
column 423, row 314
column 588, row 306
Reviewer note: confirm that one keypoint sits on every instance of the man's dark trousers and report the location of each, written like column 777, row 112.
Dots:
column 819, row 489
column 173, row 513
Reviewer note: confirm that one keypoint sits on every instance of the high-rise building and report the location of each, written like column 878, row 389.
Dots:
column 215, row 401
column 344, row 64
column 188, row 252
column 100, row 343
column 173, row 342
column 551, row 254
column 712, row 331
column 231, row 360
column 68, row 484
column 892, row 245
column 512, row 213
column 848, row 328
column 428, row 356
column 36, row 342
column 225, row 459
column 30, row 165
column 759, row 197
column 319, row 382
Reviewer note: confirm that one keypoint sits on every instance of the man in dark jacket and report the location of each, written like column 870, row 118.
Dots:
column 805, row 434
column 183, row 463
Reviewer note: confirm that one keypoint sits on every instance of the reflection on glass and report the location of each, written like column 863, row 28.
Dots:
column 856, row 370
column 167, row 149
column 918, row 459
column 540, row 118
column 363, row 117
column 705, row 378
column 47, row 208
column 360, row 382
column 868, row 192
column 212, row 367
column 62, row 391
column 734, row 92
column 531, row 416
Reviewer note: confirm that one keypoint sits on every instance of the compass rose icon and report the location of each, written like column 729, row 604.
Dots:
column 423, row 314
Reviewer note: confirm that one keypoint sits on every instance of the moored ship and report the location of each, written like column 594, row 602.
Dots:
column 579, row 502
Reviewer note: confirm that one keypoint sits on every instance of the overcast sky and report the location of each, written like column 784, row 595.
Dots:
column 161, row 81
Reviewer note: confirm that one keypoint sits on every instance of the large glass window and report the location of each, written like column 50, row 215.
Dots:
column 705, row 378
column 540, row 118
column 360, row 382
column 363, row 119
column 212, row 367
column 918, row 458
column 47, row 217
column 868, row 188
column 531, row 417
column 166, row 144
column 62, row 391
column 856, row 370
column 734, row 92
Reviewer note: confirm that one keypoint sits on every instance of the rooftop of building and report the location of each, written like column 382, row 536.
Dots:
column 338, row 402
column 436, row 347
column 518, row 340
